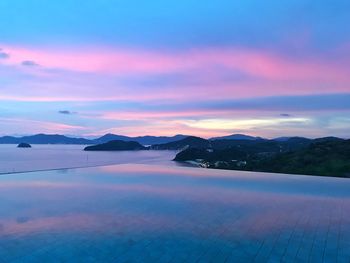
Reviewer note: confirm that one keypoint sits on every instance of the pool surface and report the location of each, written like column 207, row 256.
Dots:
column 164, row 213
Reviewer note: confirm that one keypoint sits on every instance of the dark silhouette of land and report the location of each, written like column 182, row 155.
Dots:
column 190, row 141
column 116, row 145
column 24, row 145
column 62, row 139
column 329, row 156
column 323, row 156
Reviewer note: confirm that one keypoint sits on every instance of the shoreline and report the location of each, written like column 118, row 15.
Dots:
column 184, row 164
column 190, row 165
column 196, row 164
column 58, row 169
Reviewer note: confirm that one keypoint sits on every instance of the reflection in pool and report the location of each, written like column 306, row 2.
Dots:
column 154, row 213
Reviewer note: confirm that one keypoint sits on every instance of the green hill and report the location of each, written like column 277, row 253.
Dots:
column 325, row 156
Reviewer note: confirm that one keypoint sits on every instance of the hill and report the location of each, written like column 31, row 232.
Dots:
column 190, row 141
column 110, row 137
column 248, row 146
column 237, row 137
column 116, row 145
column 62, row 139
column 43, row 139
column 324, row 156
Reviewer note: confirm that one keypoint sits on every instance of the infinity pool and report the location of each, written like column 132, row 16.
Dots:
column 164, row 213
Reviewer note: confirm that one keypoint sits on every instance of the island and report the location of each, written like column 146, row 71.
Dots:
column 24, row 145
column 116, row 145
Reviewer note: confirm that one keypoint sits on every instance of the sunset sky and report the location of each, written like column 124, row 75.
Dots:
column 206, row 68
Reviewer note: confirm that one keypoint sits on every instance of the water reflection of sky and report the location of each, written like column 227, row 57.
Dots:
column 168, row 213
column 56, row 156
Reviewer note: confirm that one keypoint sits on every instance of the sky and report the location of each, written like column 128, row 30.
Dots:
column 207, row 68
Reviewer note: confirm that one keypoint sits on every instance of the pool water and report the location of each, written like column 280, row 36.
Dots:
column 165, row 213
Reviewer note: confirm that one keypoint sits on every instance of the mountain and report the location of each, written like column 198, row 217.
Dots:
column 43, row 139
column 62, row 139
column 110, row 137
column 328, row 139
column 237, row 137
column 150, row 140
column 281, row 139
column 284, row 139
column 248, row 146
column 10, row 140
column 116, row 145
column 145, row 140
column 190, row 141
column 296, row 143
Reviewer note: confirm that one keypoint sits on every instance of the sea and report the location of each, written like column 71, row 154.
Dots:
column 55, row 156
column 61, row 204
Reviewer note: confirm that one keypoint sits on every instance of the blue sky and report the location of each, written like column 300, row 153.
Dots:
column 208, row 68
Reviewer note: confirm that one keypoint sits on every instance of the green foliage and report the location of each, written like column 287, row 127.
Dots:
column 328, row 158
column 325, row 157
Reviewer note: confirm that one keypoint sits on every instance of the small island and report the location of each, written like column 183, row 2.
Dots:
column 116, row 145
column 24, row 145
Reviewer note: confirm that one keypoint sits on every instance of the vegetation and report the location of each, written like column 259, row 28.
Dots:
column 190, row 141
column 326, row 156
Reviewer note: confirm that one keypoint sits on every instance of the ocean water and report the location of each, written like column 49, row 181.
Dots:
column 160, row 212
column 45, row 157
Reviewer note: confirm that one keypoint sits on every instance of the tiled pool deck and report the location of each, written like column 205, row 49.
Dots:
column 151, row 213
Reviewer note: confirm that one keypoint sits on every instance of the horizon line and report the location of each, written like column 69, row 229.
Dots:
column 179, row 134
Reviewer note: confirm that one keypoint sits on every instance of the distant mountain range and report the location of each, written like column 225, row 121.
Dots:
column 251, row 146
column 144, row 140
column 190, row 141
column 44, row 139
column 237, row 137
column 157, row 141
column 62, row 139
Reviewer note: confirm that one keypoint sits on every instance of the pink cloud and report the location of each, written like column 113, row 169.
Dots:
column 91, row 91
column 125, row 61
column 36, row 126
column 97, row 74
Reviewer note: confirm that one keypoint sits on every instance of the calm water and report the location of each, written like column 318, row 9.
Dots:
column 165, row 213
column 45, row 157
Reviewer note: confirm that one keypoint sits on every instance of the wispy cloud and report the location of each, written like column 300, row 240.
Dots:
column 285, row 115
column 29, row 63
column 255, row 63
column 4, row 55
column 66, row 112
column 28, row 126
